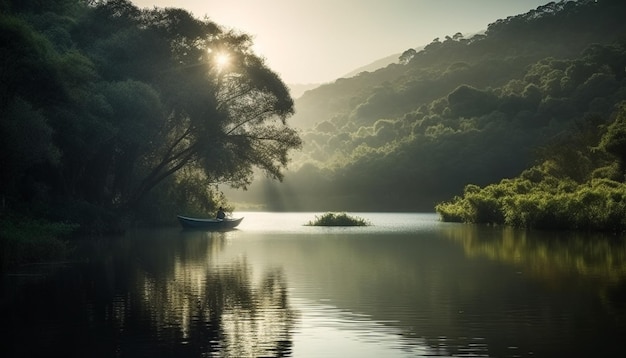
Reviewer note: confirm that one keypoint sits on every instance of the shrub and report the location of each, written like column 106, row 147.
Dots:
column 338, row 219
column 452, row 211
column 27, row 241
column 485, row 209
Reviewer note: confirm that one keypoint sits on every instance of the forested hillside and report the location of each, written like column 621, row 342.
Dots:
column 110, row 114
column 461, row 111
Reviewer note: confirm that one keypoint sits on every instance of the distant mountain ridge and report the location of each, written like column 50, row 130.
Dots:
column 298, row 89
column 378, row 64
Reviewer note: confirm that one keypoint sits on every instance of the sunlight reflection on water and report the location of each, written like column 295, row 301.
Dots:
column 327, row 331
column 323, row 329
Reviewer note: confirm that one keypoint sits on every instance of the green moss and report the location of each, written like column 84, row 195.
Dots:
column 338, row 219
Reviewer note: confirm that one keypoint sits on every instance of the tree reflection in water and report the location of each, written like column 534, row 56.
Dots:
column 215, row 309
column 597, row 260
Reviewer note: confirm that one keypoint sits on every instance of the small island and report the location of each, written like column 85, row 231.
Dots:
column 338, row 219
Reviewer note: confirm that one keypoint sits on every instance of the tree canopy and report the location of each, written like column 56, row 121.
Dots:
column 115, row 108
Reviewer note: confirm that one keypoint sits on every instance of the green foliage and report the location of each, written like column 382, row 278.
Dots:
column 102, row 102
column 466, row 101
column 465, row 110
column 614, row 141
column 338, row 219
column 27, row 142
column 124, row 109
column 545, row 202
column 26, row 241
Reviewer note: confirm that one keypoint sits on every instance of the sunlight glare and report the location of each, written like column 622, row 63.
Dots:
column 222, row 60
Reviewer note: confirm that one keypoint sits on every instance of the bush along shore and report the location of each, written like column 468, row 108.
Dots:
column 30, row 241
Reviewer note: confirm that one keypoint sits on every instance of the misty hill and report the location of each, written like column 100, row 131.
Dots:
column 459, row 111
column 297, row 89
column 381, row 63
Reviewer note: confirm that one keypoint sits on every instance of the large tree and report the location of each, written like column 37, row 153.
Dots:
column 133, row 98
column 222, row 111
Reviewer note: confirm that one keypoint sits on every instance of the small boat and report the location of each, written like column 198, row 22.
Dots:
column 208, row 224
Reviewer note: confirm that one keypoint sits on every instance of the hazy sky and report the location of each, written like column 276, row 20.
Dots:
column 315, row 41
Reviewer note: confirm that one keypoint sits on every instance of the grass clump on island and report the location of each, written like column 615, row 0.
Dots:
column 338, row 219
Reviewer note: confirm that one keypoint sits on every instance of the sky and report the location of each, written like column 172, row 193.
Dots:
column 318, row 41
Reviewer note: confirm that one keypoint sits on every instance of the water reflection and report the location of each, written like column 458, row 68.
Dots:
column 159, row 303
column 215, row 307
column 455, row 291
column 594, row 260
column 410, row 290
column 544, row 252
column 415, row 291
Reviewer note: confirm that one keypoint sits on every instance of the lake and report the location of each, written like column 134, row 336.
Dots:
column 406, row 286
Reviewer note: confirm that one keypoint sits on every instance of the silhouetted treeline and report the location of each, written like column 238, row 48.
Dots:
column 463, row 111
column 112, row 113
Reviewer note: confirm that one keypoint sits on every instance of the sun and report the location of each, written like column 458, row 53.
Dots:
column 222, row 60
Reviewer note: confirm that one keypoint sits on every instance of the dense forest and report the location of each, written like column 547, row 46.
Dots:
column 113, row 115
column 535, row 98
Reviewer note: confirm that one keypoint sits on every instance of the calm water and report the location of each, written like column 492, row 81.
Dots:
column 408, row 286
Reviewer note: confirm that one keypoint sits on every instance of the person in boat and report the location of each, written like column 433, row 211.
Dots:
column 221, row 215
